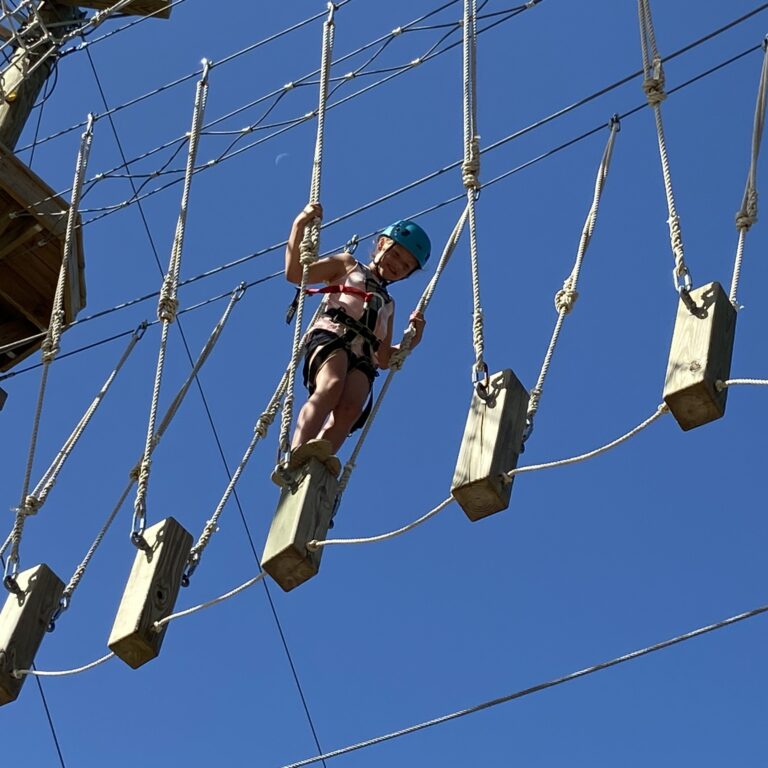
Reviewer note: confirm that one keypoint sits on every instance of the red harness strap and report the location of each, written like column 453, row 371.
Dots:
column 350, row 289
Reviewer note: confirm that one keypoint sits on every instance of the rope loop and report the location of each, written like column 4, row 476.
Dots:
column 310, row 244
column 31, row 506
column 566, row 297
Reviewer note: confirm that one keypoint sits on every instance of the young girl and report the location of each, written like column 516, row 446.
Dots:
column 352, row 336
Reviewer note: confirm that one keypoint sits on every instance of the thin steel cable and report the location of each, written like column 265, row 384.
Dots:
column 350, row 214
column 185, row 78
column 50, row 348
column 167, row 307
column 310, row 242
column 112, row 209
column 535, row 688
column 566, row 297
column 747, row 214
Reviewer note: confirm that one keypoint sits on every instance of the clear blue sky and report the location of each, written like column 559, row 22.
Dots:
column 662, row 535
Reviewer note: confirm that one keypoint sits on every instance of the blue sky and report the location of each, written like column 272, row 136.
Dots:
column 660, row 536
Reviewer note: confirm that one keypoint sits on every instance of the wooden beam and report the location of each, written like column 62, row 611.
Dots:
column 17, row 294
column 20, row 233
column 302, row 515
column 699, row 357
column 23, row 623
column 150, row 593
column 493, row 439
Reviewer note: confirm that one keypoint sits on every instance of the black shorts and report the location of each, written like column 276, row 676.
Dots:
column 321, row 344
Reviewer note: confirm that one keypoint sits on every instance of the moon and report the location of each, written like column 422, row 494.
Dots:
column 280, row 157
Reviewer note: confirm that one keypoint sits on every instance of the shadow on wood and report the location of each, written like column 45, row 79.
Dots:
column 33, row 223
column 23, row 623
column 699, row 357
column 150, row 593
column 493, row 439
column 302, row 515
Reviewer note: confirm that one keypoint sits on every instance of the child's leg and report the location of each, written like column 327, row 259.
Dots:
column 329, row 388
column 348, row 408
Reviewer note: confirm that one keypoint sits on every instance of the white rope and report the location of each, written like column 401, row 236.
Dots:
column 721, row 385
column 314, row 544
column 29, row 505
column 747, row 214
column 260, row 430
column 310, row 243
column 653, row 85
column 18, row 673
column 48, row 480
column 398, row 358
column 164, row 424
column 470, row 171
column 565, row 298
column 660, row 411
column 189, row 611
column 168, row 304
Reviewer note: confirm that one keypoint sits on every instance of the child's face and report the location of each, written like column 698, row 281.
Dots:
column 395, row 262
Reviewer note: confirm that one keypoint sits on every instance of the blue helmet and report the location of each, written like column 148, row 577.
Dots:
column 412, row 237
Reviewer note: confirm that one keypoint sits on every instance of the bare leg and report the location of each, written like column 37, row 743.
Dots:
column 329, row 388
column 347, row 410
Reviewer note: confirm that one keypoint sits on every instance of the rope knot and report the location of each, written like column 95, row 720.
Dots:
column 308, row 249
column 470, row 168
column 747, row 216
column 31, row 506
column 654, row 90
column 167, row 304
column 566, row 297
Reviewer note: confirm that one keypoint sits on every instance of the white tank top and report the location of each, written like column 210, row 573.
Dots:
column 362, row 278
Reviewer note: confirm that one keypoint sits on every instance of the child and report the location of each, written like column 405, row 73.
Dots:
column 352, row 336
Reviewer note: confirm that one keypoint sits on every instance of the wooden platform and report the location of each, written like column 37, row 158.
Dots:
column 160, row 8
column 31, row 248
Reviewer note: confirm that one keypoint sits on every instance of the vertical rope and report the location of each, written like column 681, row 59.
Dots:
column 566, row 297
column 653, row 86
column 28, row 504
column 470, row 171
column 167, row 307
column 747, row 214
column 310, row 243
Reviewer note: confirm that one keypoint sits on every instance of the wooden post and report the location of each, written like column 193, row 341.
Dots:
column 23, row 623
column 700, row 355
column 21, row 92
column 493, row 440
column 150, row 593
column 302, row 515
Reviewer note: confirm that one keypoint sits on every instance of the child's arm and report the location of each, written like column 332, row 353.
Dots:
column 323, row 271
column 386, row 349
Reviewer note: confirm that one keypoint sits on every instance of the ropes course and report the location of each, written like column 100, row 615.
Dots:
column 502, row 410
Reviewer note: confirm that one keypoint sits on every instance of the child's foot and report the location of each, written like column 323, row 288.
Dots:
column 317, row 448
